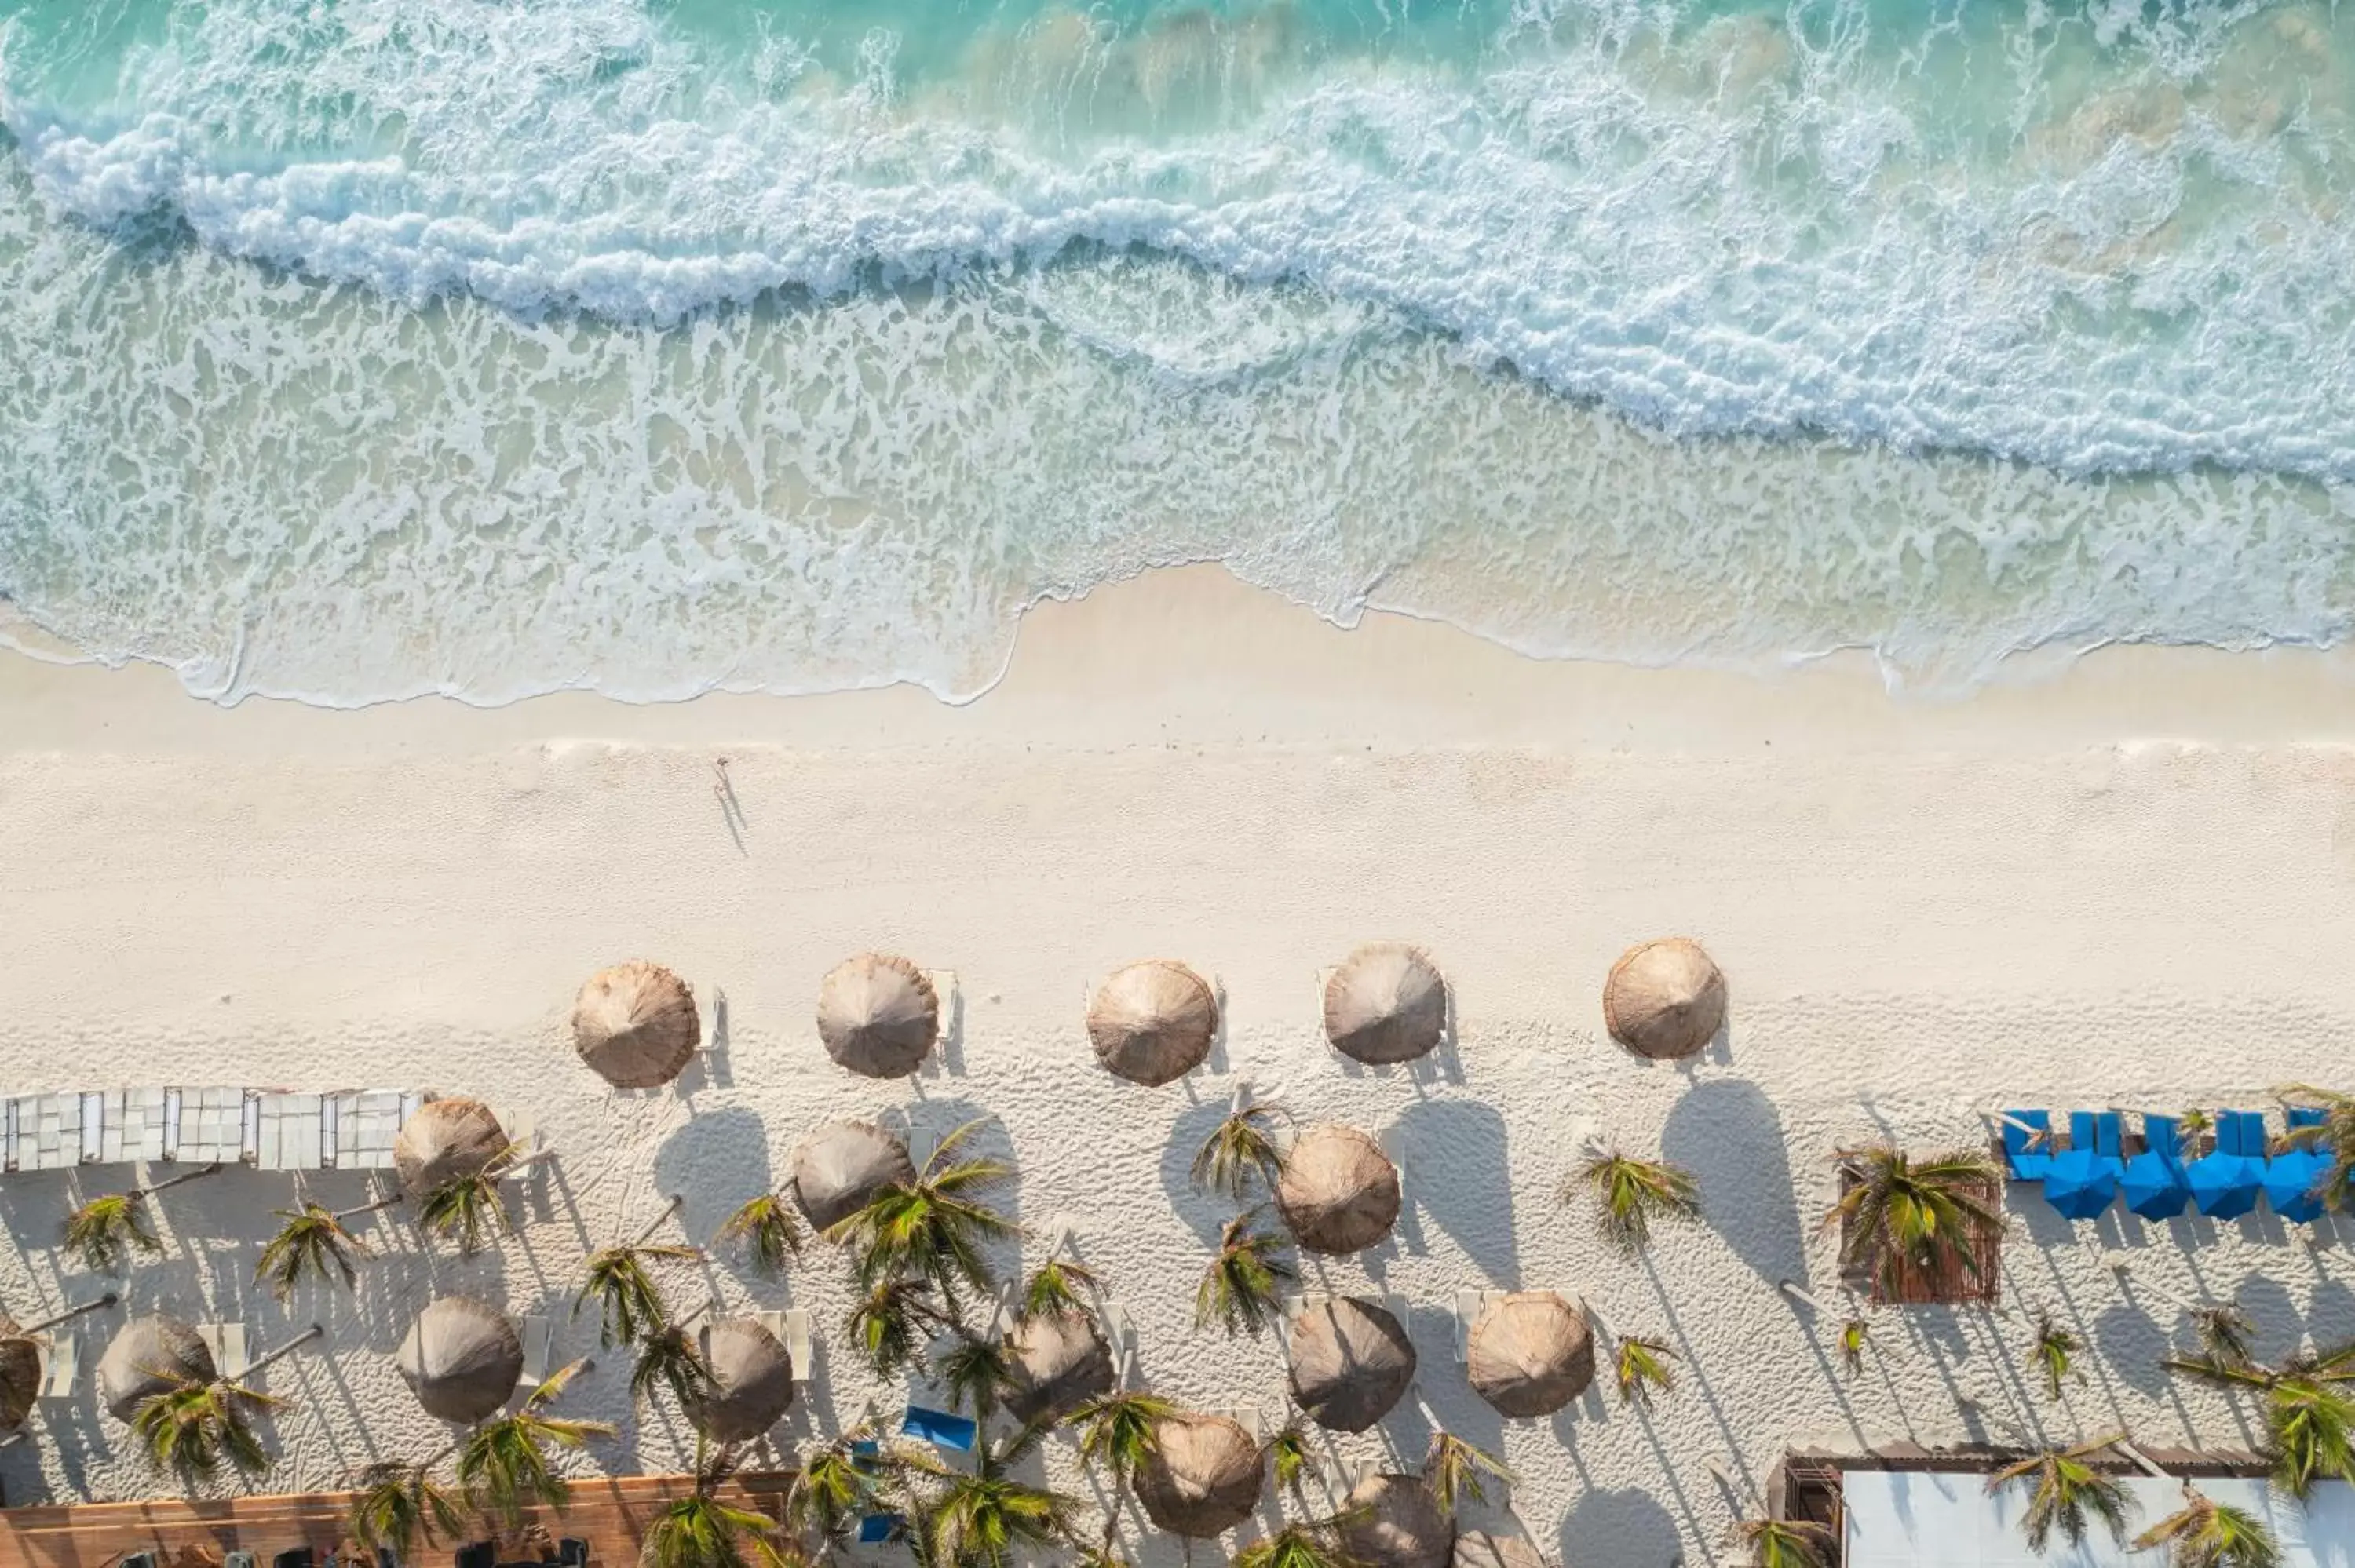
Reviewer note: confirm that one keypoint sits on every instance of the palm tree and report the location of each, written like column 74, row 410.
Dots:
column 313, row 1242
column 672, row 1357
column 698, row 1530
column 933, row 1227
column 2225, row 1330
column 398, row 1504
column 192, row 1427
column 503, row 1464
column 2309, row 1417
column 2069, row 1492
column 2335, row 1136
column 1630, row 1193
column 630, row 1306
column 1240, row 1148
column 467, row 1208
column 1314, row 1545
column 1856, row 1337
column 767, row 1228
column 105, row 1230
column 975, row 1373
column 893, row 1322
column 1291, row 1451
column 1060, row 1288
column 2204, row 1533
column 1118, row 1432
column 978, row 1519
column 2051, row 1354
column 1243, row 1286
column 1895, row 1212
column 1643, row 1366
column 1453, row 1469
column 837, row 1484
column 1785, row 1543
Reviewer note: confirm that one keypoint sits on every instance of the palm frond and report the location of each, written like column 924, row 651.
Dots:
column 311, row 1242
column 1239, row 1148
column 1897, row 1211
column 892, row 1322
column 1785, row 1543
column 766, row 1226
column 103, row 1232
column 2225, row 1330
column 835, row 1485
column 975, row 1373
column 398, row 1505
column 192, row 1428
column 465, row 1210
column 1289, row 1449
column 2052, row 1354
column 1453, row 1469
column 931, row 1229
column 1314, row 1545
column 1119, row 1432
column 982, row 1520
column 671, row 1358
column 1856, row 1337
column 2208, row 1534
column 2067, row 1493
column 1630, row 1193
column 700, row 1532
column 1643, row 1367
column 504, row 1464
column 1243, row 1286
column 1059, row 1288
column 630, row 1305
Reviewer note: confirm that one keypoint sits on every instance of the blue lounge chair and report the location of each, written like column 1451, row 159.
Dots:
column 2155, row 1185
column 2227, row 1184
column 2293, row 1180
column 941, row 1429
column 875, row 1529
column 2085, row 1176
column 2022, row 1161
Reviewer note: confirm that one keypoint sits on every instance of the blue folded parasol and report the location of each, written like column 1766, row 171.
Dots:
column 2227, row 1183
column 2085, row 1176
column 2153, row 1184
column 2026, row 1156
column 2293, row 1181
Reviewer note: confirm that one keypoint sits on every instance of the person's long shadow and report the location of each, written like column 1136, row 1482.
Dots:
column 1730, row 1136
column 1457, row 1170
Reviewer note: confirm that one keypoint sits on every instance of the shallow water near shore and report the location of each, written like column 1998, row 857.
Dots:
column 374, row 349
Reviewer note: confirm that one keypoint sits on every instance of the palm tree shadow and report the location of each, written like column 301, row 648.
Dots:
column 1624, row 1526
column 1205, row 1213
column 1731, row 1137
column 733, row 1140
column 1455, row 1153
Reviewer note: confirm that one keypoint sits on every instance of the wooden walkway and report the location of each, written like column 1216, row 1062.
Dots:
column 610, row 1513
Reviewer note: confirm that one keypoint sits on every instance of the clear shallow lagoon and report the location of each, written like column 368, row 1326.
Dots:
column 364, row 349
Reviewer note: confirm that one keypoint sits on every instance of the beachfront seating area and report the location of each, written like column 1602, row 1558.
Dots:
column 2220, row 1166
column 272, row 1130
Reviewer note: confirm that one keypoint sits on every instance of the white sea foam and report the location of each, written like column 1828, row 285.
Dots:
column 1940, row 348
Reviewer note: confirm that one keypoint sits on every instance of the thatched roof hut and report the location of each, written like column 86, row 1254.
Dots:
column 1351, row 1360
column 839, row 1169
column 462, row 1359
column 635, row 1025
column 1202, row 1478
column 1387, row 1003
column 20, row 1375
column 1338, row 1193
column 443, row 1141
column 1393, row 1521
column 1529, row 1353
column 878, row 1016
column 149, row 1355
column 751, row 1382
column 1665, row 999
column 1057, row 1362
column 1153, row 1021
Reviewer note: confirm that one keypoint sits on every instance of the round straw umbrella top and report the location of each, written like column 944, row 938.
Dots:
column 839, row 1169
column 460, row 1359
column 1395, row 1522
column 751, row 1384
column 1057, row 1362
column 1153, row 1021
column 1338, row 1193
column 1664, row 999
column 20, row 1375
column 1529, row 1353
column 878, row 1016
column 443, row 1141
column 1201, row 1478
column 1351, row 1360
column 635, row 1025
column 1387, row 1003
column 150, row 1355
column 1490, row 1549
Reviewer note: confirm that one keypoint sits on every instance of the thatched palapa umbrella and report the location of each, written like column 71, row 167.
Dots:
column 878, row 1016
column 444, row 1141
column 1351, row 1360
column 635, row 1025
column 1153, row 1021
column 1386, row 1003
column 20, row 1375
column 1393, row 1521
column 1490, row 1549
column 462, row 1359
column 841, row 1167
column 1338, row 1193
column 150, row 1355
column 1057, row 1362
column 1529, row 1353
column 1664, row 999
column 1202, row 1478
column 751, row 1383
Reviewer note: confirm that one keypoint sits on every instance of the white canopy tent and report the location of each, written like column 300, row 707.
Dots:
column 1931, row 1518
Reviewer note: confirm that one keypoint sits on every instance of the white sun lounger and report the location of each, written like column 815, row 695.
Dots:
column 226, row 1343
column 292, row 1132
column 794, row 1328
column 538, row 1339
column 1467, row 1311
column 60, row 1365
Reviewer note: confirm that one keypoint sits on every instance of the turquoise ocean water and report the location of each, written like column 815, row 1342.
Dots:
column 353, row 349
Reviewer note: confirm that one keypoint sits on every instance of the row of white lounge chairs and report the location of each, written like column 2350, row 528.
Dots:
column 269, row 1128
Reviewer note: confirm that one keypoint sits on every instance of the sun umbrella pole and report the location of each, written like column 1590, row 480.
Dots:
column 55, row 1318
column 1791, row 1289
column 2125, row 1274
column 170, row 1182
column 288, row 1349
column 660, row 1220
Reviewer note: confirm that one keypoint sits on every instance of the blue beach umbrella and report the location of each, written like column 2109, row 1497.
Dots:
column 2227, row 1183
column 2085, row 1176
column 2153, row 1184
column 2293, row 1180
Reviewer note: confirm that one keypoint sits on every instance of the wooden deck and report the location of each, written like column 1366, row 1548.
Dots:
column 609, row 1513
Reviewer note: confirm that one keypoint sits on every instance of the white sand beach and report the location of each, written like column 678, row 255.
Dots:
column 2130, row 885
